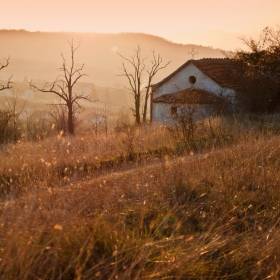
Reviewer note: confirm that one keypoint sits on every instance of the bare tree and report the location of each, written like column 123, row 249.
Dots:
column 96, row 120
column 122, row 121
column 38, row 125
column 9, row 83
column 183, row 122
column 105, row 113
column 59, row 116
column 14, row 108
column 100, row 118
column 151, row 71
column 135, row 78
column 63, row 87
column 5, row 118
column 11, row 124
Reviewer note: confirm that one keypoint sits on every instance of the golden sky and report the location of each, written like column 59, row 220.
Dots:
column 205, row 22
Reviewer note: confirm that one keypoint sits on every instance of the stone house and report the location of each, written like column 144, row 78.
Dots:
column 203, row 83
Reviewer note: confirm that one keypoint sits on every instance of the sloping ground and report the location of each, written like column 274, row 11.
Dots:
column 213, row 217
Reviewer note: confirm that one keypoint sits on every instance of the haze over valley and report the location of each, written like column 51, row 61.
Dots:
column 37, row 56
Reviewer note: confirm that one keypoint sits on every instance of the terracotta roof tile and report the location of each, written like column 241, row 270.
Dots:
column 224, row 72
column 188, row 96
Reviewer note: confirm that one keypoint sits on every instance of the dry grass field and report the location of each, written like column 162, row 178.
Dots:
column 140, row 205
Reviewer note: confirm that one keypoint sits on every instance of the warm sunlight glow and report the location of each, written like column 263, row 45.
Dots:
column 215, row 22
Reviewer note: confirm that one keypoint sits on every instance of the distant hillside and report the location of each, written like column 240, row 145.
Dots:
column 38, row 54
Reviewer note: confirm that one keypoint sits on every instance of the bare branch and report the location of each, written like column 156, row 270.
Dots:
column 63, row 87
column 135, row 78
column 9, row 82
column 4, row 65
column 8, row 85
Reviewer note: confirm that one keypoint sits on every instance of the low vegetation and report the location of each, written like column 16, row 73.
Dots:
column 140, row 204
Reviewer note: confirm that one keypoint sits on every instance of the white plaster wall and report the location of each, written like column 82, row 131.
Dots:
column 180, row 81
column 161, row 112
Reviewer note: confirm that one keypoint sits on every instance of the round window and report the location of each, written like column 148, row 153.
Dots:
column 192, row 79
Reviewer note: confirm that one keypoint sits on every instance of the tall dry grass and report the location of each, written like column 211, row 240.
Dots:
column 212, row 214
column 59, row 158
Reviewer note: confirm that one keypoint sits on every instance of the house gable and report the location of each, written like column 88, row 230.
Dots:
column 182, row 80
column 195, row 80
column 224, row 72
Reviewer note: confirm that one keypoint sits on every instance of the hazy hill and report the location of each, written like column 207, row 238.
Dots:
column 38, row 54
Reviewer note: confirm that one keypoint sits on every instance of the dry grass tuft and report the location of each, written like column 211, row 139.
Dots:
column 210, row 212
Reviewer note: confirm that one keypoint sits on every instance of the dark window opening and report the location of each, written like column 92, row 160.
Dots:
column 173, row 110
column 192, row 79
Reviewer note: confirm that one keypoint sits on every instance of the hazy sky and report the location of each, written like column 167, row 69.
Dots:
column 206, row 22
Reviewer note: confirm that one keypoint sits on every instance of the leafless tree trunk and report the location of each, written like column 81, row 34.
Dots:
column 105, row 113
column 97, row 120
column 63, row 87
column 155, row 67
column 15, row 110
column 9, row 83
column 136, row 81
column 5, row 117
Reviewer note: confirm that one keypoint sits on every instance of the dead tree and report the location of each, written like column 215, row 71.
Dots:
column 63, row 87
column 9, row 83
column 183, row 122
column 151, row 71
column 5, row 118
column 59, row 116
column 105, row 113
column 14, row 109
column 100, row 118
column 135, row 79
column 96, row 120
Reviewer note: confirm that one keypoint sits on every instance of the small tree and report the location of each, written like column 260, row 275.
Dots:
column 105, row 113
column 5, row 118
column 38, row 126
column 96, row 120
column 183, row 122
column 100, row 118
column 9, row 83
column 63, row 87
column 135, row 79
column 10, row 123
column 122, row 121
column 260, row 87
column 14, row 109
column 59, row 114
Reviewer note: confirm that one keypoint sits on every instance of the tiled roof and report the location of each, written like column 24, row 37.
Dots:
column 188, row 96
column 224, row 72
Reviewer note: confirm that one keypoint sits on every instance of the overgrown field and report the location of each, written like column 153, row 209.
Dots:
column 140, row 204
